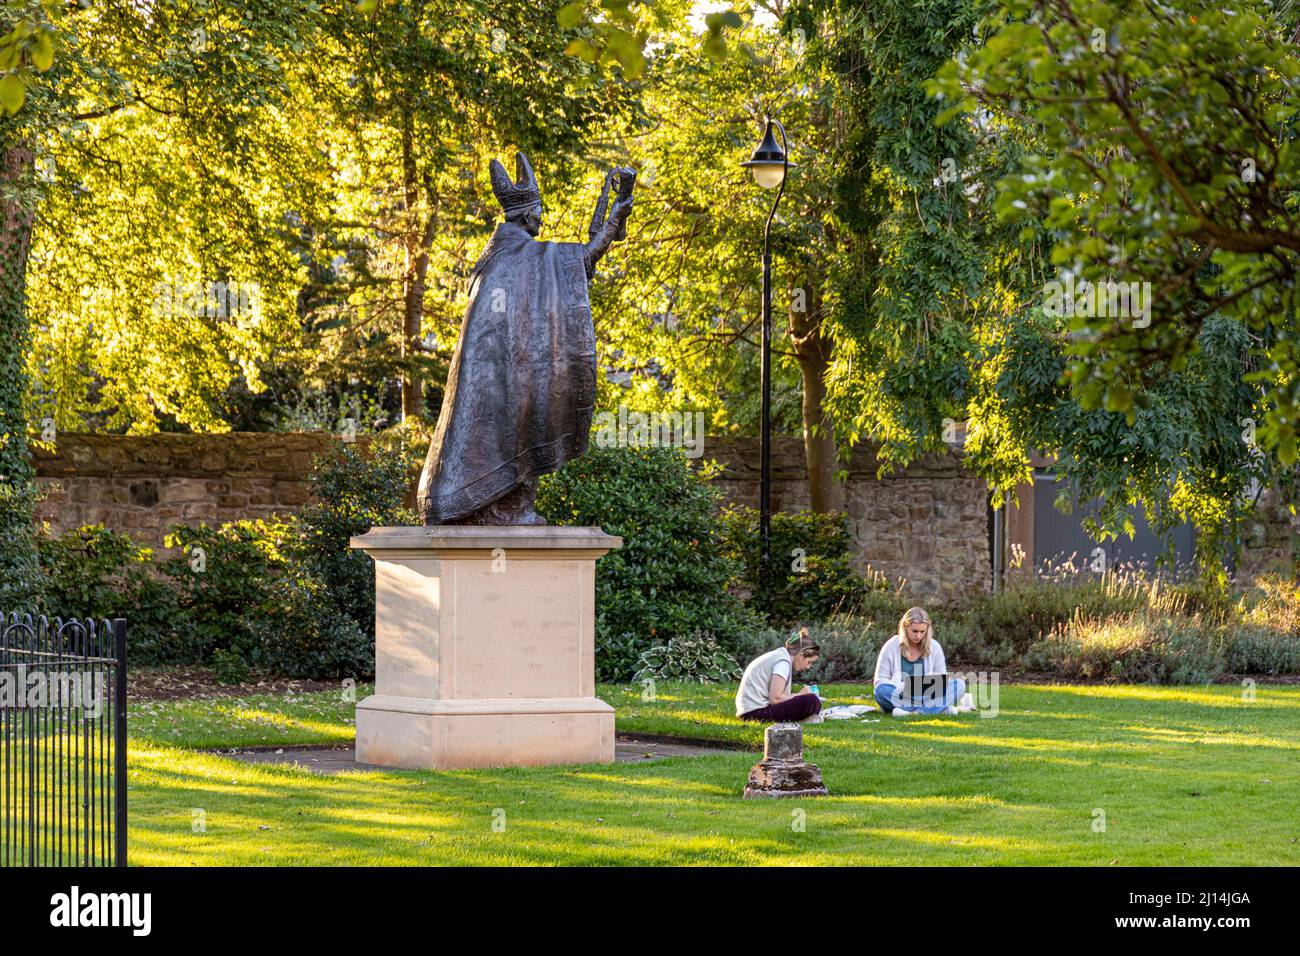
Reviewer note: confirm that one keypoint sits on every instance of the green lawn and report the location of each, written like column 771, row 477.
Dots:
column 1189, row 775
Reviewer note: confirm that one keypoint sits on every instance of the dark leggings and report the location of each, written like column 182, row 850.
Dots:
column 797, row 707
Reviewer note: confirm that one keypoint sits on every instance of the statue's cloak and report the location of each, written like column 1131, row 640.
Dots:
column 522, row 385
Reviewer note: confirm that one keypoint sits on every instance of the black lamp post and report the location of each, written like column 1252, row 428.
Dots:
column 769, row 164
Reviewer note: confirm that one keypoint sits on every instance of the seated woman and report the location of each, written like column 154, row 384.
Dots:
column 913, row 652
column 764, row 692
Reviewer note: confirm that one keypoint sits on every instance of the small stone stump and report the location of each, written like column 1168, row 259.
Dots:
column 782, row 771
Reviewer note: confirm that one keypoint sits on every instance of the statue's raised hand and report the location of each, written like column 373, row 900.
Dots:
column 605, row 231
column 626, row 176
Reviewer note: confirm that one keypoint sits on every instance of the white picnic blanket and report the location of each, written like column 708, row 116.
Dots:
column 846, row 711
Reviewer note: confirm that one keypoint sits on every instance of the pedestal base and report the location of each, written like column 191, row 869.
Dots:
column 484, row 648
column 422, row 734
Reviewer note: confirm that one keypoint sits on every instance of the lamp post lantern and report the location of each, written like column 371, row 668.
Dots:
column 769, row 163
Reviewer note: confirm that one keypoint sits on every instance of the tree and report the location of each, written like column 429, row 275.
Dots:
column 1165, row 157
column 27, row 49
column 416, row 93
column 163, row 265
column 685, row 297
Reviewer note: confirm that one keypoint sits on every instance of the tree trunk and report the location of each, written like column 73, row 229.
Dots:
column 419, row 237
column 19, row 570
column 813, row 351
column 17, row 210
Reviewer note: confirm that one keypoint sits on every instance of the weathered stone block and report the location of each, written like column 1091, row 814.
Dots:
column 783, row 772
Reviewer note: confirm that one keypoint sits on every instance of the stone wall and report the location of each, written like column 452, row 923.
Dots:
column 1271, row 542
column 927, row 524
column 144, row 485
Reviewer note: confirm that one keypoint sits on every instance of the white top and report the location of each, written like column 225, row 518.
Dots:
column 753, row 692
column 889, row 665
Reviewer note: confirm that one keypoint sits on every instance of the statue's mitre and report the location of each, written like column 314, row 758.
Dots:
column 521, row 193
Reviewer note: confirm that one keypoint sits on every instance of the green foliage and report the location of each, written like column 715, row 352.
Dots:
column 354, row 493
column 1258, row 649
column 287, row 596
column 1141, row 648
column 695, row 658
column 91, row 572
column 1163, row 152
column 670, row 577
column 229, row 666
column 676, row 303
column 222, row 583
column 26, row 49
column 1009, row 622
column 810, row 577
column 919, row 256
column 22, row 583
column 304, row 632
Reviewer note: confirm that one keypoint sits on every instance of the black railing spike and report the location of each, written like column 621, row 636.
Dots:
column 62, row 774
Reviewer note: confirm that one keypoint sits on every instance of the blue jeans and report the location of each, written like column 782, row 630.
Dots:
column 888, row 697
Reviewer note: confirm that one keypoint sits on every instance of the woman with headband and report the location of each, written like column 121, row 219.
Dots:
column 764, row 692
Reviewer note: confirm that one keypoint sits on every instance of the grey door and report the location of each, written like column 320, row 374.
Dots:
column 1057, row 536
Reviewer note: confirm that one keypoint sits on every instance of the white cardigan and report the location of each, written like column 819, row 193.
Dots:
column 889, row 665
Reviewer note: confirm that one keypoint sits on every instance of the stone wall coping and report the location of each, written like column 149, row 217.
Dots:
column 284, row 456
column 287, row 456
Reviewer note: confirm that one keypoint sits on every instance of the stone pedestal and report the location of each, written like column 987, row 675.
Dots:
column 484, row 648
column 782, row 771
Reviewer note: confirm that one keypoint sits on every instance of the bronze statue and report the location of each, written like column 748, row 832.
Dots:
column 522, row 385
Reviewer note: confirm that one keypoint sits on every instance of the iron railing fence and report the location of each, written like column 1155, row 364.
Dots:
column 62, row 742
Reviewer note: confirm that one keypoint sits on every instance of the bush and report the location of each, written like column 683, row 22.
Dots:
column 1008, row 623
column 94, row 572
column 695, row 658
column 230, row 667
column 306, row 634
column 670, row 577
column 22, row 583
column 1256, row 649
column 1273, row 603
column 354, row 494
column 222, row 581
column 849, row 646
column 287, row 596
column 810, row 578
column 1138, row 648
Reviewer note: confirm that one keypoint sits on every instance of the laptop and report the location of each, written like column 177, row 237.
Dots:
column 931, row 690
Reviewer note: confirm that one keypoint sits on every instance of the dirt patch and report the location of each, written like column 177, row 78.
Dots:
column 193, row 683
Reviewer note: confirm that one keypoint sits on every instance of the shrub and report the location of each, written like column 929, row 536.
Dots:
column 1273, row 603
column 305, row 634
column 354, row 493
column 695, row 658
column 670, row 577
column 1137, row 648
column 222, row 580
column 230, row 667
column 1256, row 649
column 1006, row 624
column 93, row 572
column 810, row 577
column 849, row 646
column 22, row 583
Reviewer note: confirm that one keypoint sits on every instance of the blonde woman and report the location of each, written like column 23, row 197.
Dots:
column 764, row 692
column 913, row 652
